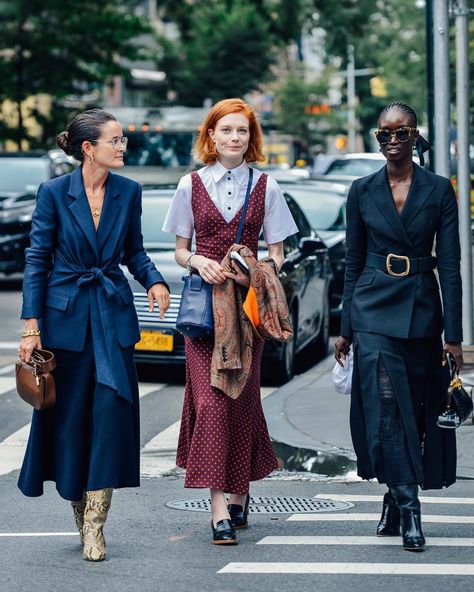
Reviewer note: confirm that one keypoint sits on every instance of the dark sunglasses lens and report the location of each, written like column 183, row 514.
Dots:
column 403, row 135
column 383, row 137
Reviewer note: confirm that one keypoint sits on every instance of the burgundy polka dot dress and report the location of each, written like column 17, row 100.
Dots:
column 223, row 443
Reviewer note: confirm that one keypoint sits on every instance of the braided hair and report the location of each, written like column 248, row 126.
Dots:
column 421, row 145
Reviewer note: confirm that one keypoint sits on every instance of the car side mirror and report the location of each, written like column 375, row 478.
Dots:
column 309, row 245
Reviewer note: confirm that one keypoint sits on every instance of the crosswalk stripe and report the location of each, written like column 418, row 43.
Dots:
column 12, row 450
column 350, row 517
column 158, row 455
column 7, row 369
column 402, row 569
column 378, row 498
column 9, row 345
column 361, row 540
column 7, row 384
column 147, row 389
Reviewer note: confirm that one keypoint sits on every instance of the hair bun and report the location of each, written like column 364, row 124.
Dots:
column 62, row 142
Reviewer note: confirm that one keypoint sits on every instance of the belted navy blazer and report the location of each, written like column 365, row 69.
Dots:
column 72, row 277
column 410, row 306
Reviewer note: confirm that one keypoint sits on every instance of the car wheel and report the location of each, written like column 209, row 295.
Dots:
column 285, row 369
column 322, row 342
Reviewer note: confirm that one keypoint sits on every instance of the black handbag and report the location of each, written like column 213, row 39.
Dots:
column 457, row 404
column 195, row 316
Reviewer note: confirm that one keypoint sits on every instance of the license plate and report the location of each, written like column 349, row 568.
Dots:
column 155, row 341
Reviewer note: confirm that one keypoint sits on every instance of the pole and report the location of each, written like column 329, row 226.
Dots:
column 429, row 80
column 351, row 99
column 441, row 86
column 461, row 12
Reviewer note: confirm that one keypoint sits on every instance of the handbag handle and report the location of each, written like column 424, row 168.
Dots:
column 244, row 208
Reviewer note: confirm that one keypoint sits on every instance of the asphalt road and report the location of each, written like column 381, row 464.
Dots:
column 153, row 547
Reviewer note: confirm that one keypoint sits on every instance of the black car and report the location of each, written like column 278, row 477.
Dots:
column 305, row 274
column 21, row 173
column 325, row 208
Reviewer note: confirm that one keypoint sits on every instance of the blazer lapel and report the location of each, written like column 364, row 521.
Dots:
column 382, row 197
column 110, row 211
column 80, row 208
column 420, row 190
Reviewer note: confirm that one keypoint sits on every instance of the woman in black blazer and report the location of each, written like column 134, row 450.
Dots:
column 392, row 316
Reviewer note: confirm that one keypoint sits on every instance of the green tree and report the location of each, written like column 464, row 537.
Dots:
column 227, row 52
column 60, row 48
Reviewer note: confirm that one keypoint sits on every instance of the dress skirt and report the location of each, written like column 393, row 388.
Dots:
column 90, row 439
column 398, row 386
column 223, row 442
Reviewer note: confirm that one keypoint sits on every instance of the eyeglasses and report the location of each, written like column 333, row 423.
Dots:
column 402, row 134
column 118, row 143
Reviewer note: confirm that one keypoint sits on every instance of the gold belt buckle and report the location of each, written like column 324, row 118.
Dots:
column 388, row 264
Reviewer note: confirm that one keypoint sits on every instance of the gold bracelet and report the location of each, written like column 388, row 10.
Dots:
column 31, row 333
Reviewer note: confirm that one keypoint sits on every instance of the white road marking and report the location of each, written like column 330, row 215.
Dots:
column 37, row 534
column 9, row 345
column 7, row 384
column 10, row 369
column 158, row 456
column 378, row 498
column 399, row 569
column 375, row 517
column 362, row 540
column 12, row 450
column 145, row 389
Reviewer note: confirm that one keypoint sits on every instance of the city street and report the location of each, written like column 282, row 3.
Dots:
column 312, row 545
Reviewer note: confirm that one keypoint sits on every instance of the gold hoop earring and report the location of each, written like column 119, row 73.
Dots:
column 91, row 159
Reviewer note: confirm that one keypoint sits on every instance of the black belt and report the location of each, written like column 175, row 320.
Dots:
column 399, row 265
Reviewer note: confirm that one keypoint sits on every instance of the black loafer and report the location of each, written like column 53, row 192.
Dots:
column 239, row 515
column 223, row 533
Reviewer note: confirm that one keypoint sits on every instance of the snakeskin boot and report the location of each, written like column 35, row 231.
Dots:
column 78, row 509
column 95, row 515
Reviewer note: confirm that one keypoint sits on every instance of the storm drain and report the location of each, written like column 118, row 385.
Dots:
column 269, row 505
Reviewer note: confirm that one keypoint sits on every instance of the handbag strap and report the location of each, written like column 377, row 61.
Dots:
column 244, row 208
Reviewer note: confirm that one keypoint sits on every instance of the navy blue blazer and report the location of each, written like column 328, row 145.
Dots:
column 72, row 277
column 410, row 306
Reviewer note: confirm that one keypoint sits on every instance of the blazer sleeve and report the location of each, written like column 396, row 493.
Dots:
column 448, row 253
column 135, row 257
column 39, row 255
column 356, row 251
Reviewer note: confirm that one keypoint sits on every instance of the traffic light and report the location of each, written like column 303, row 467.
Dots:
column 378, row 86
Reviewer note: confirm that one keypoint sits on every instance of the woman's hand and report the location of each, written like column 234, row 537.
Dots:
column 210, row 271
column 343, row 346
column 27, row 345
column 237, row 275
column 159, row 292
column 455, row 349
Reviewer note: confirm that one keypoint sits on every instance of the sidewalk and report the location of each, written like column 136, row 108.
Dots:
column 308, row 413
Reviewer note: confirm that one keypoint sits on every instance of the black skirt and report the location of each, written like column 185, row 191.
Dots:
column 418, row 382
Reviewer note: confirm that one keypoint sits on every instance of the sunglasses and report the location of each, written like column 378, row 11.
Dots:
column 402, row 134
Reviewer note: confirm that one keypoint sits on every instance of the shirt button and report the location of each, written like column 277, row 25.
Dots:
column 229, row 173
column 229, row 192
column 229, row 178
column 229, row 208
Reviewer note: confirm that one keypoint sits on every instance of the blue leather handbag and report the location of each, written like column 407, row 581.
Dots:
column 195, row 316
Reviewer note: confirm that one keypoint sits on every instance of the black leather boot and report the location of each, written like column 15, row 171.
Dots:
column 410, row 514
column 389, row 524
column 239, row 514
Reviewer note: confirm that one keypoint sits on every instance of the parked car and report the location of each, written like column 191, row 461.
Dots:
column 351, row 166
column 325, row 208
column 21, row 173
column 305, row 274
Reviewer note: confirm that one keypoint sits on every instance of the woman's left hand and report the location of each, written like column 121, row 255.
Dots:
column 159, row 292
column 455, row 349
column 237, row 275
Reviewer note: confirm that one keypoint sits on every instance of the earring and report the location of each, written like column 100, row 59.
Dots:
column 91, row 159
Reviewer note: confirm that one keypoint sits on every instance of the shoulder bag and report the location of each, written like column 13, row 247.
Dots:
column 195, row 317
column 34, row 381
column 457, row 404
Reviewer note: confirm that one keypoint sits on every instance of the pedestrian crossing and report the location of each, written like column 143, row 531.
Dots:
column 157, row 455
column 354, row 549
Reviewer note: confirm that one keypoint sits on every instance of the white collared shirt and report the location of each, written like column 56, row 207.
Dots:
column 227, row 188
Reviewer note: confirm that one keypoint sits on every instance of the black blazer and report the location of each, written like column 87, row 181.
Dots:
column 410, row 306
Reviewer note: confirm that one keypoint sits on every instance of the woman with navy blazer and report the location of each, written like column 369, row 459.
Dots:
column 392, row 316
column 78, row 303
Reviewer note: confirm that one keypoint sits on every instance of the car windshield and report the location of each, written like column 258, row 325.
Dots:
column 22, row 175
column 159, row 149
column 155, row 206
column 355, row 167
column 325, row 210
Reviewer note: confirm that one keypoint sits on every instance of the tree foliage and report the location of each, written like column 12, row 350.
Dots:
column 59, row 47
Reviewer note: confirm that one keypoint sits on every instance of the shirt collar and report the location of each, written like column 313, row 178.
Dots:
column 240, row 173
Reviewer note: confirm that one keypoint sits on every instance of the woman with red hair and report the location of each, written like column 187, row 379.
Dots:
column 224, row 442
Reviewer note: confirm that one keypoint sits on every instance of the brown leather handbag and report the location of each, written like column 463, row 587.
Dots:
column 34, row 381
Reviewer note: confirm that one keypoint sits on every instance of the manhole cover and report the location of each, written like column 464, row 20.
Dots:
column 269, row 505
